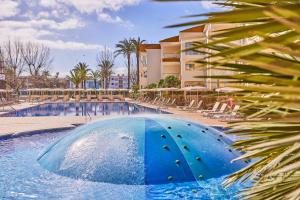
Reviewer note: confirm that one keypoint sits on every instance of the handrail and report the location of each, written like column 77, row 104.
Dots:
column 88, row 114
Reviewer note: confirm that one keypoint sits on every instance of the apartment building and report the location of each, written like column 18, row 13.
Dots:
column 174, row 61
column 150, row 64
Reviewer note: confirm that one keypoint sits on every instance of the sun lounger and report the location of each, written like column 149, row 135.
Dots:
column 117, row 98
column 105, row 98
column 220, row 111
column 163, row 103
column 54, row 98
column 231, row 115
column 145, row 99
column 173, row 103
column 214, row 109
column 197, row 107
column 94, row 97
column 169, row 104
column 186, row 107
column 34, row 98
column 154, row 101
column 60, row 97
column 5, row 102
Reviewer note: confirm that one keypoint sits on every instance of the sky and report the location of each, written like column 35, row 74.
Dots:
column 77, row 30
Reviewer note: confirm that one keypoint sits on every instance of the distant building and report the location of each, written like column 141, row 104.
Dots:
column 115, row 82
column 118, row 82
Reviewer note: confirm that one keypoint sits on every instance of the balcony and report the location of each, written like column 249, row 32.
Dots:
column 171, row 74
column 171, row 57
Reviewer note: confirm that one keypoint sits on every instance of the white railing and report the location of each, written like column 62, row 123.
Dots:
column 171, row 74
column 171, row 55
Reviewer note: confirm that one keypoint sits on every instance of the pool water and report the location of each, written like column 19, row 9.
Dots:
column 82, row 109
column 22, row 177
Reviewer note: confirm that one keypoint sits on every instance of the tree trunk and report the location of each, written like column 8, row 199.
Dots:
column 107, row 83
column 128, row 60
column 95, row 83
column 138, row 68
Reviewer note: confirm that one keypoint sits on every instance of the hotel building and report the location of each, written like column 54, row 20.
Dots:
column 168, row 58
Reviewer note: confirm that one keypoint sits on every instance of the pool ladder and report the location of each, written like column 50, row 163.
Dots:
column 88, row 115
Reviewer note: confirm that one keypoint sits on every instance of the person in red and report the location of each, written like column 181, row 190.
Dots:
column 230, row 103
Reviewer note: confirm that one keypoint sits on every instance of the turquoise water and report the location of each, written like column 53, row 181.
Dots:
column 82, row 109
column 22, row 176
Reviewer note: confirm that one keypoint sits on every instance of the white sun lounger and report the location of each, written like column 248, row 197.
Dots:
column 214, row 109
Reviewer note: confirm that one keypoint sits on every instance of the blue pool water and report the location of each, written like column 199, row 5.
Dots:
column 82, row 109
column 128, row 161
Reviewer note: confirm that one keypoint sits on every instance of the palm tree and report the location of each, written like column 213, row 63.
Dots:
column 125, row 48
column 83, row 70
column 105, row 62
column 137, row 44
column 271, row 100
column 94, row 74
column 75, row 78
column 106, row 72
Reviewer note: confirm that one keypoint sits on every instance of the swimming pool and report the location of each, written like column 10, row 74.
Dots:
column 82, row 109
column 24, row 175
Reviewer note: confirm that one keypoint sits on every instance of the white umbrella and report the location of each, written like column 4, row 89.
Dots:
column 228, row 89
column 194, row 88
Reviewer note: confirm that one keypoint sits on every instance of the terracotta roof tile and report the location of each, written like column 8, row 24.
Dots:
column 194, row 29
column 143, row 47
column 171, row 39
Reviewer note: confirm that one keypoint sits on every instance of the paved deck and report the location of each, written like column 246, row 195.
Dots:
column 15, row 125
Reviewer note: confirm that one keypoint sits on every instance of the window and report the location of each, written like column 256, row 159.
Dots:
column 190, row 52
column 189, row 67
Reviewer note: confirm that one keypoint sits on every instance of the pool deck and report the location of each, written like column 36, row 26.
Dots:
column 16, row 125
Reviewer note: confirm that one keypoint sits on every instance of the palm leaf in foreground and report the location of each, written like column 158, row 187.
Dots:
column 268, row 68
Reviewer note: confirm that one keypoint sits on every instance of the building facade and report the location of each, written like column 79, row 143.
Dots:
column 150, row 64
column 115, row 82
column 173, row 60
column 118, row 82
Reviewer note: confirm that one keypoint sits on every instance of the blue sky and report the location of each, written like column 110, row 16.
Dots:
column 76, row 30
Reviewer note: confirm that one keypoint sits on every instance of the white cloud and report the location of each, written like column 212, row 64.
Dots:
column 72, row 23
column 69, row 45
column 210, row 4
column 89, row 6
column 34, row 30
column 48, row 3
column 115, row 20
column 107, row 18
column 45, row 19
column 8, row 8
column 43, row 14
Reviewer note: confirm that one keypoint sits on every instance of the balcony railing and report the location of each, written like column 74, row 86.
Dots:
column 171, row 55
column 171, row 74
